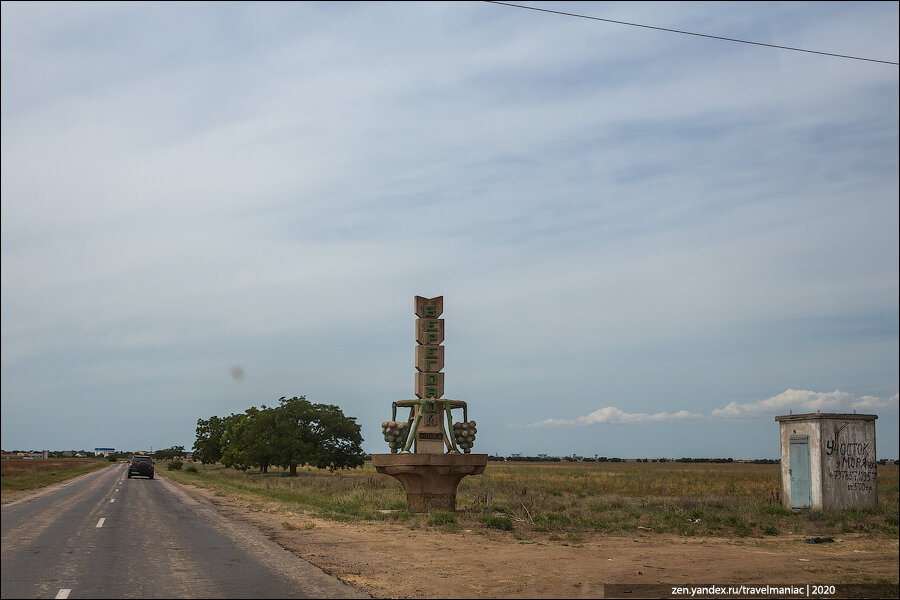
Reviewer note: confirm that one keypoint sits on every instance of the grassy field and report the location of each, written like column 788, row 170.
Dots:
column 570, row 500
column 32, row 474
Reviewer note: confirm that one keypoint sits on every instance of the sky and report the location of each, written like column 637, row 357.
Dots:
column 649, row 244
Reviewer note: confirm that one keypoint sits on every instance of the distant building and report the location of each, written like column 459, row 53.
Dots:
column 103, row 451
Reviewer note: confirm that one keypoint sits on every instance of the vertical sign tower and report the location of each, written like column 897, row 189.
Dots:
column 425, row 447
column 429, row 381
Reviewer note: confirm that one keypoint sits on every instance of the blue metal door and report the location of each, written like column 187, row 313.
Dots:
column 801, row 496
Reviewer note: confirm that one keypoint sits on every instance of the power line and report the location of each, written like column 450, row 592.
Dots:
column 715, row 37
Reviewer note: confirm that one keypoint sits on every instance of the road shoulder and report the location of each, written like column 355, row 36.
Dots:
column 390, row 560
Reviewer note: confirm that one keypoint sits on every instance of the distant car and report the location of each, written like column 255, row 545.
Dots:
column 140, row 465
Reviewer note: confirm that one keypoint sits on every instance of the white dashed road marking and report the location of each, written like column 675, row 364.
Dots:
column 63, row 593
column 100, row 522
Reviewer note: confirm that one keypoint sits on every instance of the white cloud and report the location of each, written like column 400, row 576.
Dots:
column 611, row 414
column 803, row 401
column 873, row 403
column 798, row 401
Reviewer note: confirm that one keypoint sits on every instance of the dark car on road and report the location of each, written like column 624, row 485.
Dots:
column 140, row 465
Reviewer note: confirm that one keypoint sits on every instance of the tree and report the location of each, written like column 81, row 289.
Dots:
column 249, row 439
column 232, row 453
column 210, row 440
column 168, row 453
column 318, row 435
column 295, row 440
column 296, row 432
column 259, row 439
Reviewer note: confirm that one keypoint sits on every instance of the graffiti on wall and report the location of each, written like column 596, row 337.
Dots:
column 853, row 464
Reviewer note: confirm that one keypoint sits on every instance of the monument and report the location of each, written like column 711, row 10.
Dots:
column 425, row 448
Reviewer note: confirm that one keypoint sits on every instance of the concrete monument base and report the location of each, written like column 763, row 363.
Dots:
column 430, row 480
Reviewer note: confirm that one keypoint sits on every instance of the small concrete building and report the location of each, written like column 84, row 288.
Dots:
column 828, row 461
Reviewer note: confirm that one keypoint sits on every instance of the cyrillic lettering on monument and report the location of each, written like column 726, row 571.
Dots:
column 429, row 385
column 429, row 359
column 429, row 382
column 430, row 331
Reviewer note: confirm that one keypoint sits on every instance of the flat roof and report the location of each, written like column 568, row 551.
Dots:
column 841, row 416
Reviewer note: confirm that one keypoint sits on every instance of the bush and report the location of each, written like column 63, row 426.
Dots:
column 498, row 522
column 175, row 465
column 191, row 469
column 442, row 517
column 776, row 510
column 551, row 520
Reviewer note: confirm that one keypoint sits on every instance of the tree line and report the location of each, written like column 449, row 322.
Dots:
column 294, row 433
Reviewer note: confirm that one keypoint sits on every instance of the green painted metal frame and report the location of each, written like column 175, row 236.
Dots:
column 417, row 409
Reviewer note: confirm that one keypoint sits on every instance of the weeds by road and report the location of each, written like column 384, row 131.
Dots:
column 18, row 475
column 570, row 500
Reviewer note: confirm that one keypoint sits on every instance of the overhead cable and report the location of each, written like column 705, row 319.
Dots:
column 715, row 37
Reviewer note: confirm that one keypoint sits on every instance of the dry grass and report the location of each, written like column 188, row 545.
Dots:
column 571, row 499
column 32, row 474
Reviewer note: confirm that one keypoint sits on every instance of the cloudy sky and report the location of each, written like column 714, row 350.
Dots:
column 649, row 244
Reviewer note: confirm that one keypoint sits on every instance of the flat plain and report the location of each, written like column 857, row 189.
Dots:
column 26, row 474
column 544, row 530
column 563, row 530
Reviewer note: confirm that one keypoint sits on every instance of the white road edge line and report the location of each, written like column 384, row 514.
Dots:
column 63, row 593
column 100, row 522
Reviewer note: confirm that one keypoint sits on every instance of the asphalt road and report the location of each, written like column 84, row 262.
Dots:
column 102, row 535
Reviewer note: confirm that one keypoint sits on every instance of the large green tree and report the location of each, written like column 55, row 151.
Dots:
column 232, row 448
column 259, row 438
column 210, row 440
column 318, row 435
column 249, row 439
column 296, row 432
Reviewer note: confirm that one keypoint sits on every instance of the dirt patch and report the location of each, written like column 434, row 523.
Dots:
column 389, row 560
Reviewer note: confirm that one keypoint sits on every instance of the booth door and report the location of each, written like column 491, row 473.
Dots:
column 801, row 496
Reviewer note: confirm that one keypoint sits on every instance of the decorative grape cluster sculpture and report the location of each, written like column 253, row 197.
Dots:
column 395, row 434
column 465, row 435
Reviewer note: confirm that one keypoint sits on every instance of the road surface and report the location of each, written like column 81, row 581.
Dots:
column 102, row 535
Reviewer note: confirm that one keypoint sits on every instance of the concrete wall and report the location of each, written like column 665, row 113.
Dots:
column 843, row 470
column 849, row 470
